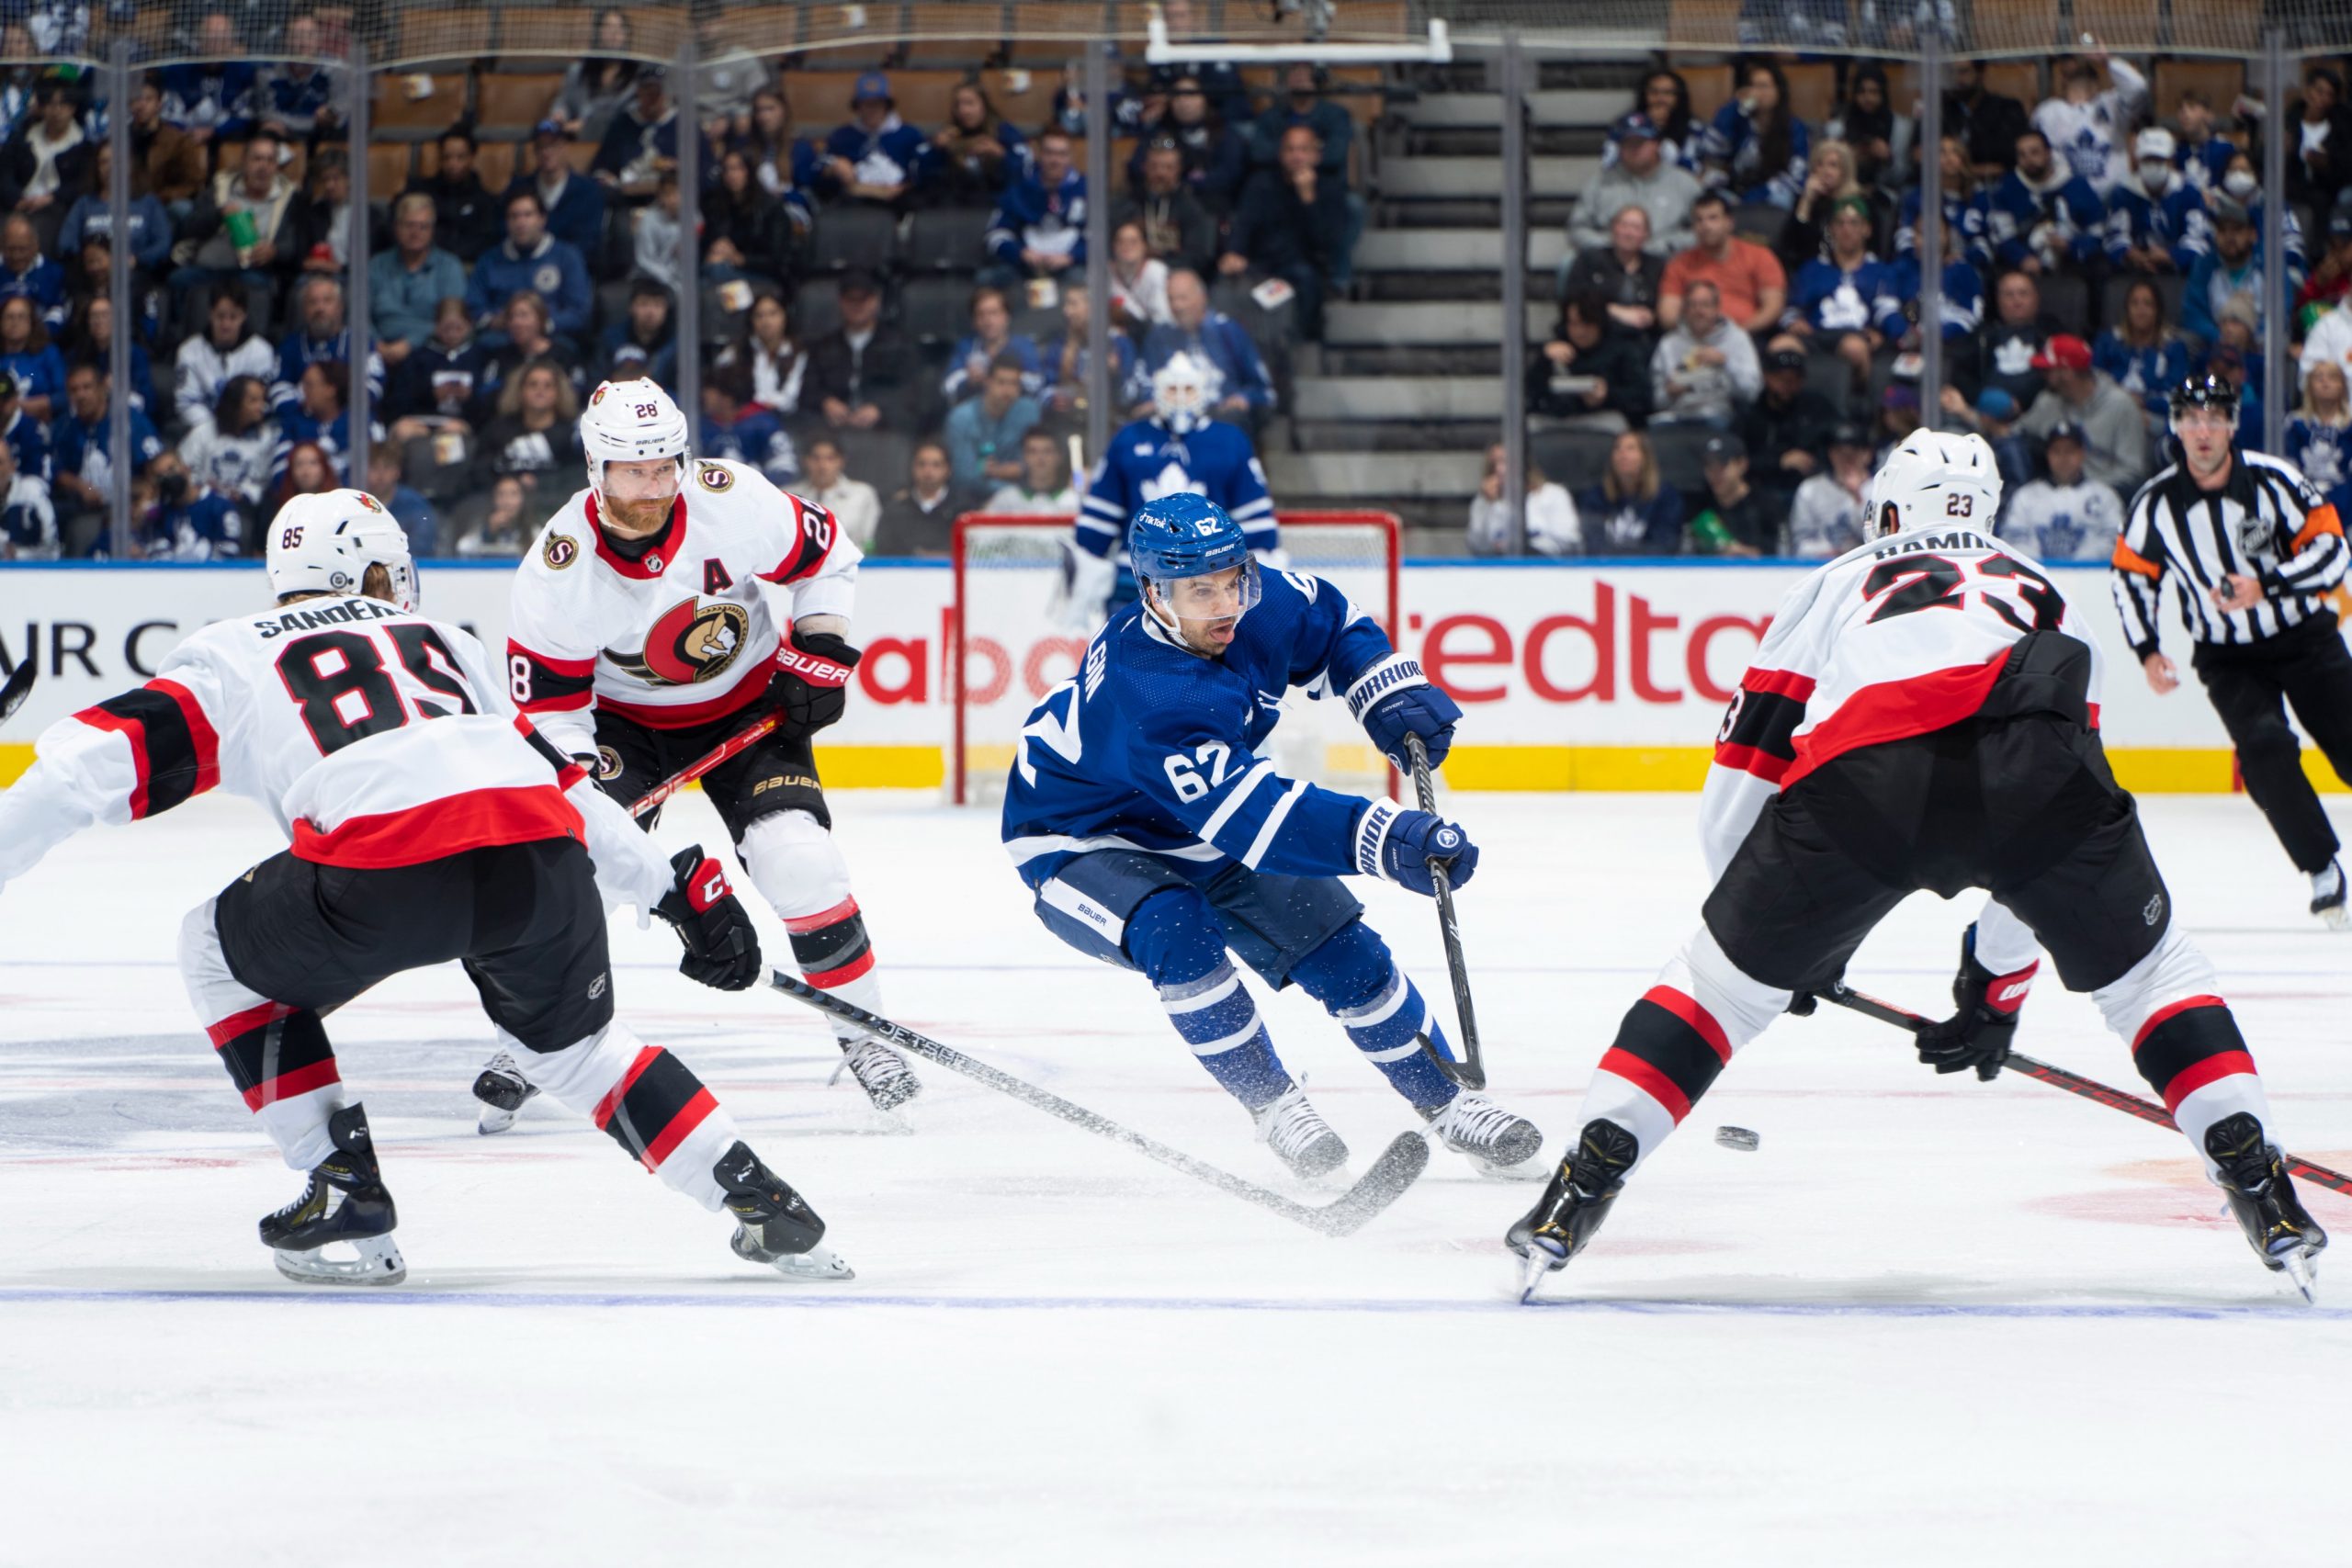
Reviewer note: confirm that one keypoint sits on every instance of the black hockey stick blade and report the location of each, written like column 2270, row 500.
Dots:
column 1396, row 1169
column 17, row 687
column 1471, row 1071
column 2072, row 1082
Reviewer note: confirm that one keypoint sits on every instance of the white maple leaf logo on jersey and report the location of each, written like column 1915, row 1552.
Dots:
column 2323, row 465
column 2014, row 356
column 1844, row 310
column 1172, row 480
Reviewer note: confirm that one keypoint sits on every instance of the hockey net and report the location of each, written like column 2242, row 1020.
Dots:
column 1009, row 647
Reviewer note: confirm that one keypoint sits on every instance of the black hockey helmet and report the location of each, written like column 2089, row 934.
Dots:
column 2206, row 391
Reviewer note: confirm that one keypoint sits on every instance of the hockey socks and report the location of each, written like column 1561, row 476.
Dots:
column 644, row 1098
column 1218, row 1019
column 1359, row 984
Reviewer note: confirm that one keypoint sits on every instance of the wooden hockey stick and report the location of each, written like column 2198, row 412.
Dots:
column 17, row 687
column 1471, row 1071
column 2073, row 1083
column 733, row 746
column 1396, row 1169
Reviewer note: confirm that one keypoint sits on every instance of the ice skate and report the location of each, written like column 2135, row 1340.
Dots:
column 774, row 1224
column 881, row 1072
column 2262, row 1197
column 2327, row 898
column 1299, row 1136
column 1574, row 1203
column 345, row 1202
column 501, row 1090
column 1493, row 1140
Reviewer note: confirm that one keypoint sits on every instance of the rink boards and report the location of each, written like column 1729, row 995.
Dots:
column 1573, row 675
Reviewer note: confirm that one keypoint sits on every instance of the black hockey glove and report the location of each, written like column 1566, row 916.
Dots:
column 1978, row 1034
column 812, row 672
column 722, row 948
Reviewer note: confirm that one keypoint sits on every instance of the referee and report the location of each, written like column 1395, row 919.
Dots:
column 2253, row 548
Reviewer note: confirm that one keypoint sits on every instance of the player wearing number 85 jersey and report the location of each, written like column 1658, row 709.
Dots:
column 430, row 822
column 645, row 631
column 1924, row 713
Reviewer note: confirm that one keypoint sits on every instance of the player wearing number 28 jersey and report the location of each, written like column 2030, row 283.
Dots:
column 1156, row 838
column 643, row 634
column 1924, row 715
column 429, row 822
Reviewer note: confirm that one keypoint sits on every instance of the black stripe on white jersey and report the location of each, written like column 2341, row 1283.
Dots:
column 2197, row 540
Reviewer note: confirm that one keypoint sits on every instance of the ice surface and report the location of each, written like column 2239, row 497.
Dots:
column 1928, row 1322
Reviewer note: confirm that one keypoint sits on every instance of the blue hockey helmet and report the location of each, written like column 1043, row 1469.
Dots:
column 1187, row 535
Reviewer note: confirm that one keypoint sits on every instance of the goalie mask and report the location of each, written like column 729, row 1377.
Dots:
column 325, row 543
column 1180, row 394
column 1934, row 480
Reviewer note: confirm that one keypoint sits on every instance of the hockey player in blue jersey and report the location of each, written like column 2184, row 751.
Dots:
column 1157, row 839
column 1180, row 447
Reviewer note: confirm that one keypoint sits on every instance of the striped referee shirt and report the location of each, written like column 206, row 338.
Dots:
column 2267, row 522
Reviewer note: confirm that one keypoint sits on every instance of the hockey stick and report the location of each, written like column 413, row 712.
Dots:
column 2073, row 1083
column 1396, row 1169
column 733, row 746
column 1471, row 1071
column 17, row 687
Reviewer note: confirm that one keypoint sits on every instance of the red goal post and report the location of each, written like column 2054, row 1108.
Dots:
column 1006, row 650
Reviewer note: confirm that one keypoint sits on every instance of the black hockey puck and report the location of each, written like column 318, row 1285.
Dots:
column 1739, row 1138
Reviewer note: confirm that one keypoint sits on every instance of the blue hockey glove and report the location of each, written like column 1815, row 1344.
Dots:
column 1399, row 845
column 1394, row 699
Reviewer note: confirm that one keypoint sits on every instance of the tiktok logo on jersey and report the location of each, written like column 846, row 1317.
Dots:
column 691, row 641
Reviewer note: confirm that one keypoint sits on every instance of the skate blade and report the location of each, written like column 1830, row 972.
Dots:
column 494, row 1120
column 820, row 1265
column 377, row 1261
column 2302, row 1270
column 2336, row 920
column 1541, row 1260
column 1534, row 1167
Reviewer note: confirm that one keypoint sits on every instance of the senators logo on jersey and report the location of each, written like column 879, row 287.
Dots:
column 691, row 641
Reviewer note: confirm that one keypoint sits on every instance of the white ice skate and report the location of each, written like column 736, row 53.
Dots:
column 502, row 1089
column 1299, row 1136
column 1501, row 1146
column 2328, row 898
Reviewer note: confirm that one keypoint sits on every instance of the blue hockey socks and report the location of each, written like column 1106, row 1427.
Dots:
column 1359, row 984
column 1177, row 940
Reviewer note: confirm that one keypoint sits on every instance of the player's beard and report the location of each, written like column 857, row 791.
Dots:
column 637, row 518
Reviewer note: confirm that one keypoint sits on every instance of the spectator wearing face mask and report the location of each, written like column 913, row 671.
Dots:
column 2156, row 221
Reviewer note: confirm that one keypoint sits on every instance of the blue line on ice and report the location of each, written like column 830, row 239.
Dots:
column 754, row 1298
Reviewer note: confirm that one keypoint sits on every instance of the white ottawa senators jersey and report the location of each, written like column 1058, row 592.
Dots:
column 681, row 635
column 376, row 738
column 1905, row 635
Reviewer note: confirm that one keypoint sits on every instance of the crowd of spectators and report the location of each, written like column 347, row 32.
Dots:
column 1743, row 289
column 911, row 389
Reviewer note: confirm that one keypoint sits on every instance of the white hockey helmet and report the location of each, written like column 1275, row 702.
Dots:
column 1934, row 479
column 627, row 422
column 1180, row 394
column 325, row 543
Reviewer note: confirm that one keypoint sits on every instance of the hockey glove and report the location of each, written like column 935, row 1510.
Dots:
column 1088, row 582
column 809, row 688
column 722, row 948
column 1978, row 1034
column 1399, row 845
column 1394, row 699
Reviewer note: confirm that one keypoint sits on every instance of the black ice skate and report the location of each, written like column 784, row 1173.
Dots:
column 1489, row 1137
column 1299, row 1136
column 1575, row 1201
column 344, row 1201
column 2253, row 1177
column 881, row 1072
column 501, row 1090
column 2327, row 898
column 774, row 1224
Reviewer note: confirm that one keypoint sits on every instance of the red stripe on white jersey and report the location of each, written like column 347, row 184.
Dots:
column 245, row 1023
column 1896, row 710
column 799, row 925
column 200, row 733
column 134, row 733
column 685, row 716
column 438, row 829
column 1649, row 1079
column 1779, row 682
column 1749, row 760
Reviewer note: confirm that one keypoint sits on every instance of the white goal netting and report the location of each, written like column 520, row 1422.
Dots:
column 1010, row 647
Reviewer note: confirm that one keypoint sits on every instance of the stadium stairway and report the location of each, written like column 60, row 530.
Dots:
column 1397, row 406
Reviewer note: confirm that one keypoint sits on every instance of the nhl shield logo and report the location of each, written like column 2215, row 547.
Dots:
column 691, row 642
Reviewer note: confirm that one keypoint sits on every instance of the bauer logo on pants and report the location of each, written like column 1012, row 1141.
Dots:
column 691, row 641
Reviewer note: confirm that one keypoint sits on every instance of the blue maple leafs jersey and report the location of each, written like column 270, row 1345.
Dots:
column 1145, row 462
column 1151, row 747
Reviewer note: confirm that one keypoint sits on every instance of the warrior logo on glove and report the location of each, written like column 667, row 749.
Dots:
column 692, row 640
